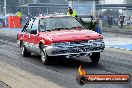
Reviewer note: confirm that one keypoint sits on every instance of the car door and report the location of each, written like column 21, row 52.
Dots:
column 27, row 30
column 33, row 36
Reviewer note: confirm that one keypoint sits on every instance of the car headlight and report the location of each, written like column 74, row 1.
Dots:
column 97, row 40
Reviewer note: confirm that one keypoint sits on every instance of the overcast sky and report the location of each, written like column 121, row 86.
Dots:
column 114, row 1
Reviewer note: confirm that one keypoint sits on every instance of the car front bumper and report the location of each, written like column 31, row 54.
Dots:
column 74, row 50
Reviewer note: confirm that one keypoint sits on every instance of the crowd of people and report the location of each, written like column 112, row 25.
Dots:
column 110, row 20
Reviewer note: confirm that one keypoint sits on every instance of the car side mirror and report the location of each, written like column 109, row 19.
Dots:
column 33, row 32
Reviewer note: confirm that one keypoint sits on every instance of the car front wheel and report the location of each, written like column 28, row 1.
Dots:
column 95, row 57
column 44, row 57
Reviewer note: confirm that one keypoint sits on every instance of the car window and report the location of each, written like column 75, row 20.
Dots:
column 28, row 25
column 42, row 25
column 59, row 22
column 86, row 20
column 34, row 25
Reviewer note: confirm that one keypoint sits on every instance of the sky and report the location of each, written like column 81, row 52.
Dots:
column 114, row 1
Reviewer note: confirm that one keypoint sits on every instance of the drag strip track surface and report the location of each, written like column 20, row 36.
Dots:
column 63, row 72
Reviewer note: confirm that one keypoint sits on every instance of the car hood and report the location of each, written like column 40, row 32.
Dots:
column 70, row 35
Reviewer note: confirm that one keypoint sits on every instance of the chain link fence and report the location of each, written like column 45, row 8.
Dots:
column 30, row 11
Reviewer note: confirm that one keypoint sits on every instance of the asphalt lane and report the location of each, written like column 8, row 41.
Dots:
column 63, row 72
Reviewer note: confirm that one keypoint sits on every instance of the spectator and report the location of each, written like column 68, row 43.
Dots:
column 97, row 28
column 121, row 21
column 71, row 12
column 110, row 21
column 19, row 14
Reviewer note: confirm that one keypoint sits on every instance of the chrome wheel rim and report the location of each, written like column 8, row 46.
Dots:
column 43, row 56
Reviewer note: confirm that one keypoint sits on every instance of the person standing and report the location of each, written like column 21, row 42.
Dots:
column 121, row 21
column 19, row 14
column 110, row 21
column 71, row 12
column 97, row 27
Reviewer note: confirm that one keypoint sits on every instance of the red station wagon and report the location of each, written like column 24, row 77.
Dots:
column 61, row 36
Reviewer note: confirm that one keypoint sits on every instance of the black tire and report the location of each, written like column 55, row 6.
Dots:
column 24, row 51
column 95, row 57
column 44, row 57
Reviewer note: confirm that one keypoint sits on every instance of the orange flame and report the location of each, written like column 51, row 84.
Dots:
column 81, row 71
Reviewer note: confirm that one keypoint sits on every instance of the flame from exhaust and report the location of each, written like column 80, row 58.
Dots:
column 81, row 71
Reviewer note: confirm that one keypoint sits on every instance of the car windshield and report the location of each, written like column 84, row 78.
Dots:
column 58, row 23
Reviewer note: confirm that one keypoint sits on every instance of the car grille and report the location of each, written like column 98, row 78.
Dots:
column 78, row 42
column 82, row 46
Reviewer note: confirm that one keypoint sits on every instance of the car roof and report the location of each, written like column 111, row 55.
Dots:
column 52, row 16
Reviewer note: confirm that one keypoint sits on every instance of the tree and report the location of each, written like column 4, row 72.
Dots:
column 109, row 12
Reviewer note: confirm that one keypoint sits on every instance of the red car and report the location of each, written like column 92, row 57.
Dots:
column 61, row 36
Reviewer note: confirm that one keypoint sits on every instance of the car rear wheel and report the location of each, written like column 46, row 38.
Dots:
column 95, row 57
column 44, row 57
column 24, row 51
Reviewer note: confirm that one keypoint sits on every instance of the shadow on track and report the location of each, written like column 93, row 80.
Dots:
column 69, row 62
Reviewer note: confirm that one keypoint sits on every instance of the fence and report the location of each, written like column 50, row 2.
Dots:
column 32, row 10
